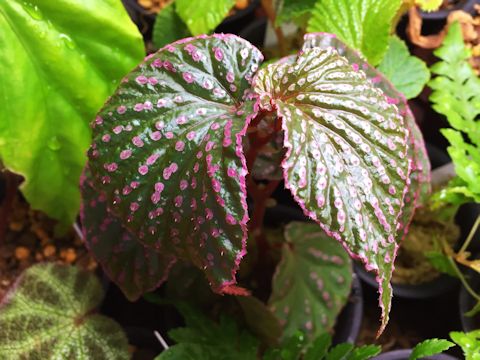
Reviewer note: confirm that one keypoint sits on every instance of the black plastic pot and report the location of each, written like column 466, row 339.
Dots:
column 467, row 302
column 434, row 21
column 404, row 354
column 255, row 32
column 465, row 219
column 239, row 21
column 146, row 344
column 232, row 25
column 350, row 319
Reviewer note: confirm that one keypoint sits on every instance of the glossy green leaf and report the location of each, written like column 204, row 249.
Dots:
column 364, row 352
column 60, row 61
column 456, row 94
column 312, row 281
column 50, row 314
column 202, row 17
column 407, row 73
column 430, row 347
column 204, row 339
column 469, row 342
column 294, row 11
column 167, row 153
column 319, row 347
column 340, row 352
column 134, row 267
column 346, row 162
column 419, row 188
column 290, row 349
column 364, row 25
column 168, row 27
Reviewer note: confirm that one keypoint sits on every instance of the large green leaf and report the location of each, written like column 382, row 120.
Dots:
column 204, row 339
column 50, row 314
column 312, row 281
column 346, row 162
column 168, row 27
column 60, row 60
column 364, row 25
column 456, row 94
column 167, row 153
column 202, row 17
column 407, row 73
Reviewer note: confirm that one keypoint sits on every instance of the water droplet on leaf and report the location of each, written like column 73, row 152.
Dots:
column 67, row 40
column 54, row 144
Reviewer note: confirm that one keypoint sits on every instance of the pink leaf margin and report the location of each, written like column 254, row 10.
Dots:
column 229, row 286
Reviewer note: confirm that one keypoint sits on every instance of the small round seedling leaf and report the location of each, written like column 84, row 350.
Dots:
column 49, row 314
column 167, row 152
column 134, row 267
column 346, row 162
column 407, row 73
column 312, row 282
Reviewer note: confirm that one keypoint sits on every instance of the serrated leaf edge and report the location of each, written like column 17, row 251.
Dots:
column 227, row 287
column 330, row 233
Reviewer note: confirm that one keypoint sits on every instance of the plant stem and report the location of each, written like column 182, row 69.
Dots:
column 6, row 208
column 462, row 279
column 472, row 232
column 270, row 11
column 261, row 196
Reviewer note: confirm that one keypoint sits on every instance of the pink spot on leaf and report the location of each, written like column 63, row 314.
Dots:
column 143, row 169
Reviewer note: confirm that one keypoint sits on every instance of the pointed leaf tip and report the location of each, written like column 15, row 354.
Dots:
column 346, row 162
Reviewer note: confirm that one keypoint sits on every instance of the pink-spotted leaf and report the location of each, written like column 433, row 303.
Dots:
column 312, row 281
column 167, row 152
column 420, row 187
column 134, row 267
column 346, row 162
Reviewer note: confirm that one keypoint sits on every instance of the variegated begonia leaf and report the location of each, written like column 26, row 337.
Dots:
column 134, row 267
column 346, row 162
column 420, row 186
column 50, row 313
column 312, row 281
column 167, row 152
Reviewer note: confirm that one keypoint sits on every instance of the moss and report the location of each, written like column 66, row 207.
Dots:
column 411, row 266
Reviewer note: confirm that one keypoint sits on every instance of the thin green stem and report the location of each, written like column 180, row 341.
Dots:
column 470, row 235
column 463, row 280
